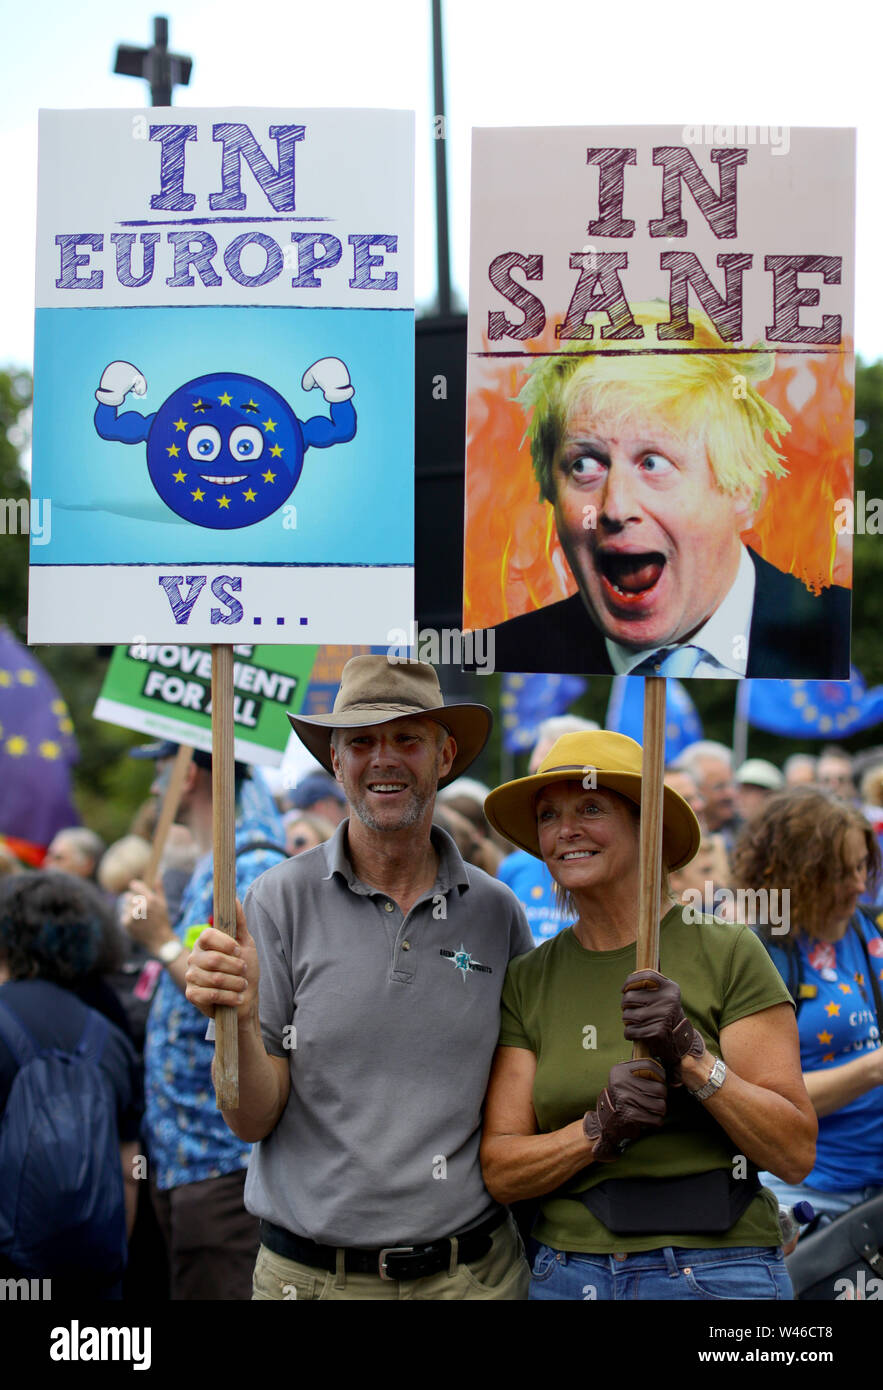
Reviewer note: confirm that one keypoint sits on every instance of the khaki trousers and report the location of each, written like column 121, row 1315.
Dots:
column 501, row 1274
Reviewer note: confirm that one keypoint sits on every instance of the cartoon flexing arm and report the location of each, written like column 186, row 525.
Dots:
column 117, row 380
column 333, row 380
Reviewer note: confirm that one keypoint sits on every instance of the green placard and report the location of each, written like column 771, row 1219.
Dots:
column 166, row 691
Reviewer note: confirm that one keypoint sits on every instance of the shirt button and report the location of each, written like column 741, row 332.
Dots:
column 387, row 907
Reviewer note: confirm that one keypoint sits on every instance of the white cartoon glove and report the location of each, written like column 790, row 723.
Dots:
column 332, row 378
column 117, row 380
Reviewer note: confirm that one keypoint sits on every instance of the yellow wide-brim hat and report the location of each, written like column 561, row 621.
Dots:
column 615, row 763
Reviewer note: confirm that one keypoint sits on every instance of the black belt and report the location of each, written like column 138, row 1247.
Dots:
column 390, row 1262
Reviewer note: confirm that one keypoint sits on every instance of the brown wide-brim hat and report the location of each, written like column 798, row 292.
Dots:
column 375, row 690
column 614, row 762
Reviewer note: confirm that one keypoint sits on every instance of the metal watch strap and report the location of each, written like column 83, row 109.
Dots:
column 714, row 1082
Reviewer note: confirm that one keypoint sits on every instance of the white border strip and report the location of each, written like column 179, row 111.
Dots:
column 347, row 605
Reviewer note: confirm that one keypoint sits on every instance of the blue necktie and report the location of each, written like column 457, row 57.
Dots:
column 679, row 661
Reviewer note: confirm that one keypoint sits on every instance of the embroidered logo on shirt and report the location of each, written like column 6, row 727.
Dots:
column 463, row 961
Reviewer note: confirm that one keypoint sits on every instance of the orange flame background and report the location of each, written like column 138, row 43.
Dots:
column 513, row 558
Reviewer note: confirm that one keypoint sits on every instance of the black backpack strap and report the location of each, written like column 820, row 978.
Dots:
column 94, row 1038
column 788, row 962
column 878, row 1000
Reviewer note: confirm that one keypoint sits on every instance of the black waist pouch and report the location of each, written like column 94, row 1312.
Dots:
column 701, row 1204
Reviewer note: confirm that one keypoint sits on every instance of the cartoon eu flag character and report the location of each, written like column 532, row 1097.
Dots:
column 225, row 450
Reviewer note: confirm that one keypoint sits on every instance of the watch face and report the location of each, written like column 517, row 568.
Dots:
column 718, row 1072
column 715, row 1080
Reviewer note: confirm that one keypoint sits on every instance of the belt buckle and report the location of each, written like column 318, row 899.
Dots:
column 391, row 1250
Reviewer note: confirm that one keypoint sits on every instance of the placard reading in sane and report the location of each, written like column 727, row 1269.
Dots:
column 660, row 400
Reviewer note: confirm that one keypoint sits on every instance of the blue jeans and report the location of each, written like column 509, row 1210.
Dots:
column 829, row 1204
column 738, row 1272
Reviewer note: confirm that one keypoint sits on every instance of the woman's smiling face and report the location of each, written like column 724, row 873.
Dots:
column 588, row 839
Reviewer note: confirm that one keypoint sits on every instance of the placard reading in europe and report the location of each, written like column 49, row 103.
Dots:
column 223, row 417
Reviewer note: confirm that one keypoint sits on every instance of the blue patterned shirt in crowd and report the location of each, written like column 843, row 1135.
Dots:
column 187, row 1138
column 837, row 1026
column 534, row 888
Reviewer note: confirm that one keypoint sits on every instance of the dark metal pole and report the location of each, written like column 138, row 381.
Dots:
column 443, row 257
column 159, row 73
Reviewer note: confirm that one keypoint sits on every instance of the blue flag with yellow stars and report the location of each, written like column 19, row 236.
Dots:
column 37, row 747
column 811, row 709
column 529, row 699
column 625, row 714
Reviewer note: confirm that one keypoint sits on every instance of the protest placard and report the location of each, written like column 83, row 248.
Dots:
column 165, row 691
column 660, row 400
column 265, row 490
column 210, row 467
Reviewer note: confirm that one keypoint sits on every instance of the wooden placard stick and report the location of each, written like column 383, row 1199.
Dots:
column 651, row 831
column 226, row 1070
column 168, row 811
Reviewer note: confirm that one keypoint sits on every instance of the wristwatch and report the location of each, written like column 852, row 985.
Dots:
column 170, row 951
column 715, row 1081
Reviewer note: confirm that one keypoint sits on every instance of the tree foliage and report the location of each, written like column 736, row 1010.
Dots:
column 15, row 400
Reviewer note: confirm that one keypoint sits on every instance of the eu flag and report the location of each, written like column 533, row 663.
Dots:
column 529, row 699
column 625, row 714
column 811, row 709
column 37, row 747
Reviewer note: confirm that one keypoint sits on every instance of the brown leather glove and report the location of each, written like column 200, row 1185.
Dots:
column 631, row 1102
column 652, row 1013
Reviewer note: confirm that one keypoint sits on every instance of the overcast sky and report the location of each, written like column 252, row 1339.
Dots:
column 522, row 62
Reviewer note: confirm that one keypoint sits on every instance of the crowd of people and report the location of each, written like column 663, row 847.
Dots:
column 437, row 996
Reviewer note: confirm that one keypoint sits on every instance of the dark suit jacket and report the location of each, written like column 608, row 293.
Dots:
column 795, row 635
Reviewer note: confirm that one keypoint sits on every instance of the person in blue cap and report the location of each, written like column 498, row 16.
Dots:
column 319, row 795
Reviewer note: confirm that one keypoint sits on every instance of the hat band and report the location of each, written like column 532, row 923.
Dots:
column 372, row 704
column 570, row 767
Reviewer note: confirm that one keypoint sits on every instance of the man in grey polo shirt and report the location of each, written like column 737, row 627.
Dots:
column 368, row 985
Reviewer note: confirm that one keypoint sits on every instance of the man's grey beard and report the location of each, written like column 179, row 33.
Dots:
column 410, row 816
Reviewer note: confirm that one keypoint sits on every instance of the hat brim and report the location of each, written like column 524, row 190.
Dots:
column 470, row 726
column 510, row 810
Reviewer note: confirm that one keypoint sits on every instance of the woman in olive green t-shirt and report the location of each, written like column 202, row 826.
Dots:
column 646, row 1170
